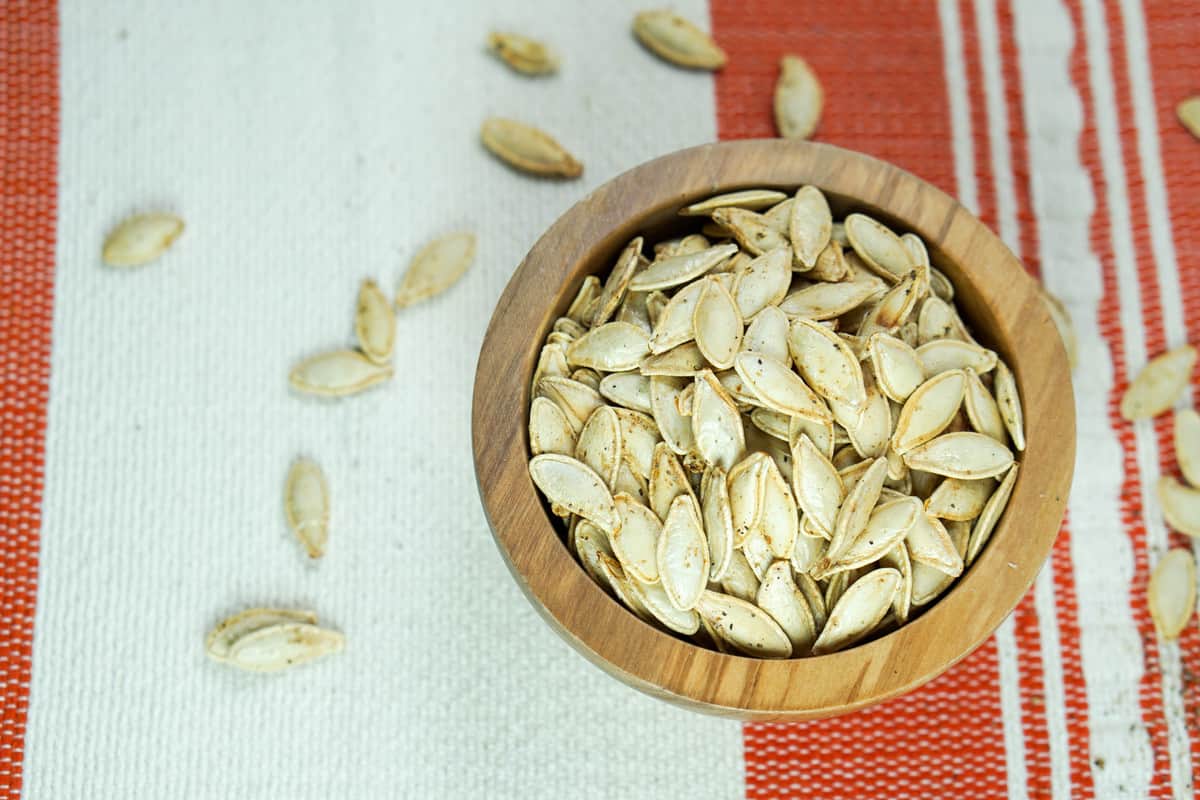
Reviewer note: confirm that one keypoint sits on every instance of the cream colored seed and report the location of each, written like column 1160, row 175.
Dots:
column 436, row 268
column 1159, row 384
column 141, row 239
column 306, row 505
column 374, row 323
column 675, row 39
column 751, row 199
column 528, row 149
column 1172, row 592
column 526, row 56
column 221, row 639
column 337, row 373
column 282, row 645
column 799, row 99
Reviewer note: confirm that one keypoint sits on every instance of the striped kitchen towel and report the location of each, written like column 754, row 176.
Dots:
column 146, row 424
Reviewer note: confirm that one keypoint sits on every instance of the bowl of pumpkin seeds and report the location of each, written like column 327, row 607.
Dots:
column 773, row 429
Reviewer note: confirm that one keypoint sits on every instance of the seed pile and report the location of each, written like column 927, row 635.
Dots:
column 781, row 440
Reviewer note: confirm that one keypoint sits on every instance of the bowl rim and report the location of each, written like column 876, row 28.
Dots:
column 583, row 240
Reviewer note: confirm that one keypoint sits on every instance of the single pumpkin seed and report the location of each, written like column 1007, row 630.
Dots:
column 628, row 389
column 944, row 355
column 306, row 505
column 618, row 282
column 929, row 409
column 937, row 319
column 878, row 246
column 639, row 435
column 682, row 361
column 981, row 531
column 826, row 363
column 528, row 149
column 778, row 388
column 577, row 400
column 282, row 645
column 683, row 564
column 526, row 56
column 1187, row 444
column 897, row 368
column 799, row 99
column 337, row 373
column 656, row 600
column 221, row 639
column 589, row 290
column 817, row 486
column 1159, row 385
column 929, row 543
column 856, row 509
column 827, row 300
column 767, row 333
column 981, row 408
column 744, row 626
column 436, row 268
column 964, row 454
column 1008, row 400
column 1172, row 592
column 779, row 523
column 751, row 230
column 763, row 282
column 599, row 444
column 716, row 423
column 676, row 429
column 750, row 199
column 897, row 558
column 959, row 500
column 893, row 309
column 675, row 39
column 140, row 239
column 810, row 225
column 635, row 541
column 717, row 520
column 718, row 324
column 887, row 526
column 779, row 596
column 667, row 481
column 832, row 265
column 374, row 324
column 612, row 347
column 575, row 487
column 549, row 429
column 1180, row 505
column 675, row 270
column 859, row 609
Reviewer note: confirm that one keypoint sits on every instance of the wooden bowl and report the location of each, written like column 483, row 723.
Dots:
column 999, row 301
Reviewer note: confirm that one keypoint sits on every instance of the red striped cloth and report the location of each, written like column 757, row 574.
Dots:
column 1016, row 718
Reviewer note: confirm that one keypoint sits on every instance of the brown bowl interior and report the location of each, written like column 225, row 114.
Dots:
column 999, row 302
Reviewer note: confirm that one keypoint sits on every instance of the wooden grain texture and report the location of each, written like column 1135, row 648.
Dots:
column 1000, row 302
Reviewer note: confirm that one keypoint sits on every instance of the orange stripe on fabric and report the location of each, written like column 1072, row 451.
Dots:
column 1130, row 505
column 28, row 196
column 885, row 95
column 1066, row 599
column 1175, row 73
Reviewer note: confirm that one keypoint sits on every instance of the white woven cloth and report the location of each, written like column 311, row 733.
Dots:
column 309, row 145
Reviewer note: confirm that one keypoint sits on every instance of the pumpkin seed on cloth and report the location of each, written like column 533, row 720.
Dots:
column 526, row 56
column 1187, row 444
column 337, row 373
column 528, row 149
column 799, row 99
column 268, row 640
column 220, row 640
column 306, row 505
column 772, row 445
column 1172, row 592
column 140, row 239
column 675, row 39
column 374, row 323
column 1159, row 384
column 436, row 268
